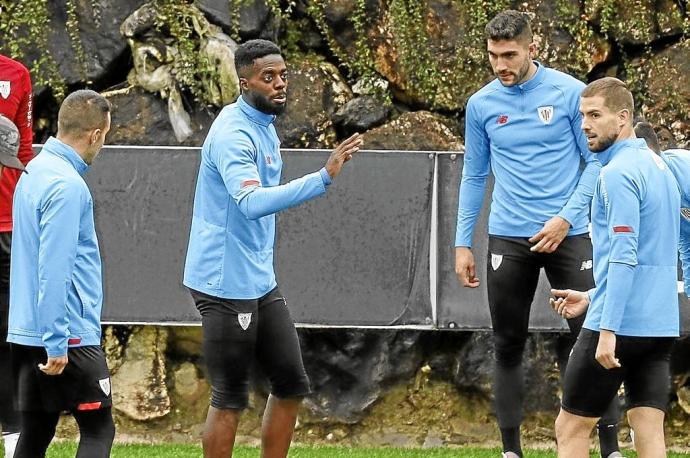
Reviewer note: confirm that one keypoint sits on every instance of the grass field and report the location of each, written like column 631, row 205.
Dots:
column 67, row 450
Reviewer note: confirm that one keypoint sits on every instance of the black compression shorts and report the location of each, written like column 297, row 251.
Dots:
column 239, row 333
column 588, row 387
column 83, row 385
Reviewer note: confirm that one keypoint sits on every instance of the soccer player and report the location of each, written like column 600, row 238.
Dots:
column 15, row 103
column 525, row 128
column 56, row 290
column 633, row 317
column 229, row 265
column 678, row 160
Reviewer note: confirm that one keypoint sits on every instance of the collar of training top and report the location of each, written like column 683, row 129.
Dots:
column 613, row 150
column 56, row 147
column 255, row 115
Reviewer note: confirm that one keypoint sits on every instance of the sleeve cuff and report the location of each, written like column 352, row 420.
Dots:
column 567, row 215
column 325, row 176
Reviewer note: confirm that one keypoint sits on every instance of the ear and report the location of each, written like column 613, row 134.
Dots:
column 244, row 84
column 532, row 48
column 95, row 135
column 624, row 117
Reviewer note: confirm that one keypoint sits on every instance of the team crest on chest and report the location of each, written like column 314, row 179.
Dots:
column 244, row 319
column 685, row 212
column 5, row 89
column 105, row 385
column 545, row 114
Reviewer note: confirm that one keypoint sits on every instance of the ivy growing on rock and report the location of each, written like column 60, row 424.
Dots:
column 26, row 23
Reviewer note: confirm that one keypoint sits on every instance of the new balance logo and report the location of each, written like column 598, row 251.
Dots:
column 586, row 265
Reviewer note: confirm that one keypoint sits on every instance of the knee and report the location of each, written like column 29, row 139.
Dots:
column 569, row 426
column 508, row 349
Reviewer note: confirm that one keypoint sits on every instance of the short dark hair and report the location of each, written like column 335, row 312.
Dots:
column 249, row 51
column 615, row 92
column 82, row 111
column 645, row 130
column 509, row 25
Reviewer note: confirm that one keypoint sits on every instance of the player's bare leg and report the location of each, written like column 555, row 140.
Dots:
column 572, row 435
column 648, row 424
column 219, row 432
column 277, row 426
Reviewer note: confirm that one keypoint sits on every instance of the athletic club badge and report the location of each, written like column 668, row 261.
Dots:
column 105, row 385
column 496, row 260
column 4, row 89
column 244, row 319
column 545, row 114
column 686, row 213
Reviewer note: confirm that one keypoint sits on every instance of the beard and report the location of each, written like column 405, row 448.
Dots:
column 604, row 142
column 264, row 104
column 519, row 76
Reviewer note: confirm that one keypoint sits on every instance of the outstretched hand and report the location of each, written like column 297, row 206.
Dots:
column 343, row 153
column 569, row 303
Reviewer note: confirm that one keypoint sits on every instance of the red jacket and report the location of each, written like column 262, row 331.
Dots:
column 16, row 104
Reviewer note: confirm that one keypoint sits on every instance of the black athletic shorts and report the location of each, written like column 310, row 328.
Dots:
column 240, row 333
column 83, row 385
column 588, row 387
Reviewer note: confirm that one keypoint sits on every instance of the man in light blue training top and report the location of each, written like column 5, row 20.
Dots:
column 678, row 160
column 56, row 291
column 633, row 318
column 524, row 127
column 229, row 266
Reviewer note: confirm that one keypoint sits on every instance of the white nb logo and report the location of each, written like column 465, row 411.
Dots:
column 586, row 265
column 244, row 319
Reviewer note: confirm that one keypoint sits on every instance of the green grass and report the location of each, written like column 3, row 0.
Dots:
column 68, row 450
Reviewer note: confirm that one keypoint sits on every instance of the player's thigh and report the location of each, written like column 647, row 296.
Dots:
column 86, row 380
column 278, row 349
column 229, row 329
column 648, row 379
column 588, row 387
column 571, row 265
column 512, row 276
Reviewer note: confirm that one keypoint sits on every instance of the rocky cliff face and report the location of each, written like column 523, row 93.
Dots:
column 401, row 72
column 356, row 65
column 372, row 387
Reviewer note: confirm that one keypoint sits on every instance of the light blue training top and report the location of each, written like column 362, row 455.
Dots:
column 529, row 136
column 56, row 290
column 238, row 192
column 678, row 161
column 635, row 231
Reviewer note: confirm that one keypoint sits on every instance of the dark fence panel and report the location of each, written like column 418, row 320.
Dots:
column 358, row 256
column 143, row 206
column 467, row 308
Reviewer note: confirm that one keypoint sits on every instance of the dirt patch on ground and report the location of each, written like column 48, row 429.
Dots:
column 422, row 414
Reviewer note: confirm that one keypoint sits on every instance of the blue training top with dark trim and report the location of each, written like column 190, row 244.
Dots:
column 529, row 136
